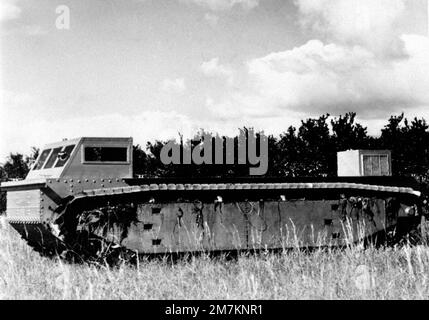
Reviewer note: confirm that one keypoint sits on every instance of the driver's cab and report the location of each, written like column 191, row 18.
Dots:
column 84, row 158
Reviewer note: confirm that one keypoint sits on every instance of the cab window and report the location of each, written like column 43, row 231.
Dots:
column 64, row 155
column 105, row 154
column 42, row 159
column 52, row 158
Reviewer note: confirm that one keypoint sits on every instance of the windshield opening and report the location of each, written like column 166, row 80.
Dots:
column 42, row 159
column 64, row 155
column 52, row 158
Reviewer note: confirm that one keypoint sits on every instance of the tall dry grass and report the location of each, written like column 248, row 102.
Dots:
column 353, row 273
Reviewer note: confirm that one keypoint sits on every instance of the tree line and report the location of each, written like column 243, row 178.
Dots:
column 308, row 150
column 311, row 150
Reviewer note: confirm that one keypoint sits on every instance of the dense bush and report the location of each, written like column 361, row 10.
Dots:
column 311, row 150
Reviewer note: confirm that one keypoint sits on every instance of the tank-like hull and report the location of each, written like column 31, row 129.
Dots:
column 80, row 198
column 164, row 216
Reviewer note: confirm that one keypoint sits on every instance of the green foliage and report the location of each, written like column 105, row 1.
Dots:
column 410, row 146
column 16, row 167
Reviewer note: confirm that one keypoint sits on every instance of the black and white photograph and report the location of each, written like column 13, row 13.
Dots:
column 214, row 154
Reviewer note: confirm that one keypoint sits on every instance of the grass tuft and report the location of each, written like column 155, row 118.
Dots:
column 399, row 272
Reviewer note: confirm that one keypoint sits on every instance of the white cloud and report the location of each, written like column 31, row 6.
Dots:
column 372, row 69
column 223, row 5
column 9, row 10
column 334, row 77
column 318, row 78
column 212, row 68
column 369, row 23
column 173, row 86
column 211, row 19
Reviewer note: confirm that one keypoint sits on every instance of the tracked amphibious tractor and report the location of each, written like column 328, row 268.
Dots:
column 81, row 198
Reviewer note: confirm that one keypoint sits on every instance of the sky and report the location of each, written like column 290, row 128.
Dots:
column 150, row 69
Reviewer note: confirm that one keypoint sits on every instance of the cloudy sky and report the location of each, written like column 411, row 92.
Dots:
column 153, row 68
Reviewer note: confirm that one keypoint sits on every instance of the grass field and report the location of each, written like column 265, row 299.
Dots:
column 353, row 273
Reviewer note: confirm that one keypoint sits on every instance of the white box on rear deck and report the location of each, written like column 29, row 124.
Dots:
column 357, row 163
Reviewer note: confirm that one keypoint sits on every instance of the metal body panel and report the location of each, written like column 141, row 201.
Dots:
column 251, row 216
column 187, row 227
column 52, row 172
column 77, row 168
column 24, row 205
column 23, row 184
